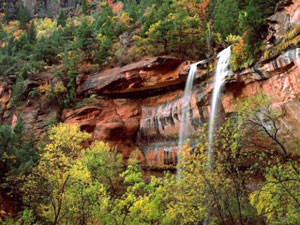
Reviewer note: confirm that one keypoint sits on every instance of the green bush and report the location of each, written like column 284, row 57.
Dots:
column 17, row 56
column 6, row 17
column 7, row 64
column 85, row 39
column 48, row 49
column 84, row 7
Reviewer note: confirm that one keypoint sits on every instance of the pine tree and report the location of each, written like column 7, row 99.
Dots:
column 18, row 90
column 84, row 7
column 31, row 34
column 6, row 17
column 62, row 19
column 23, row 16
column 225, row 14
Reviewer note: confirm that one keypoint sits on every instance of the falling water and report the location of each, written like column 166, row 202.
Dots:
column 222, row 71
column 185, row 101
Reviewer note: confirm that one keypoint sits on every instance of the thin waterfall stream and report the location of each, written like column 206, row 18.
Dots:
column 222, row 71
column 186, row 99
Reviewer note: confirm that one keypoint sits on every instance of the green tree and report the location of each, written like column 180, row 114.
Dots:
column 85, row 38
column 62, row 19
column 31, row 34
column 225, row 16
column 220, row 195
column 18, row 91
column 278, row 197
column 47, row 49
column 106, row 31
column 72, row 56
column 75, row 185
column 84, row 7
column 23, row 16
column 6, row 17
column 16, row 56
column 132, row 7
column 105, row 166
column 18, row 156
column 103, row 52
column 172, row 28
column 59, row 170
column 140, row 203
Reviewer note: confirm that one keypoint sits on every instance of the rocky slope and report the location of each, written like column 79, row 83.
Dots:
column 140, row 102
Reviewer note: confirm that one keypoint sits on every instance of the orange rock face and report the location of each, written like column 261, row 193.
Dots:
column 148, row 74
column 146, row 113
column 140, row 104
column 283, row 87
column 151, row 123
column 113, row 121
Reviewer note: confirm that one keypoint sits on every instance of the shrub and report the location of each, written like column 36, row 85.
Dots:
column 84, row 7
column 238, row 55
column 7, row 64
column 7, row 16
column 48, row 49
column 45, row 27
column 103, row 52
column 85, row 38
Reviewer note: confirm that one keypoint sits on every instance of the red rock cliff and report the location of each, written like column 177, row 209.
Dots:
column 140, row 103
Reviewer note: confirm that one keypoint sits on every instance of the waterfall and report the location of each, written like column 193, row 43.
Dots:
column 222, row 71
column 185, row 101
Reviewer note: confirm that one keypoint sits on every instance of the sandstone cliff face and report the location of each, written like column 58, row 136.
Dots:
column 140, row 104
column 141, row 108
column 151, row 123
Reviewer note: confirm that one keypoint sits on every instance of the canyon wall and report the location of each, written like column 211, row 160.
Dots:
column 138, row 106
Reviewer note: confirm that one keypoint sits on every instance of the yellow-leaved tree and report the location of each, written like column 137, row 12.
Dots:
column 60, row 189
